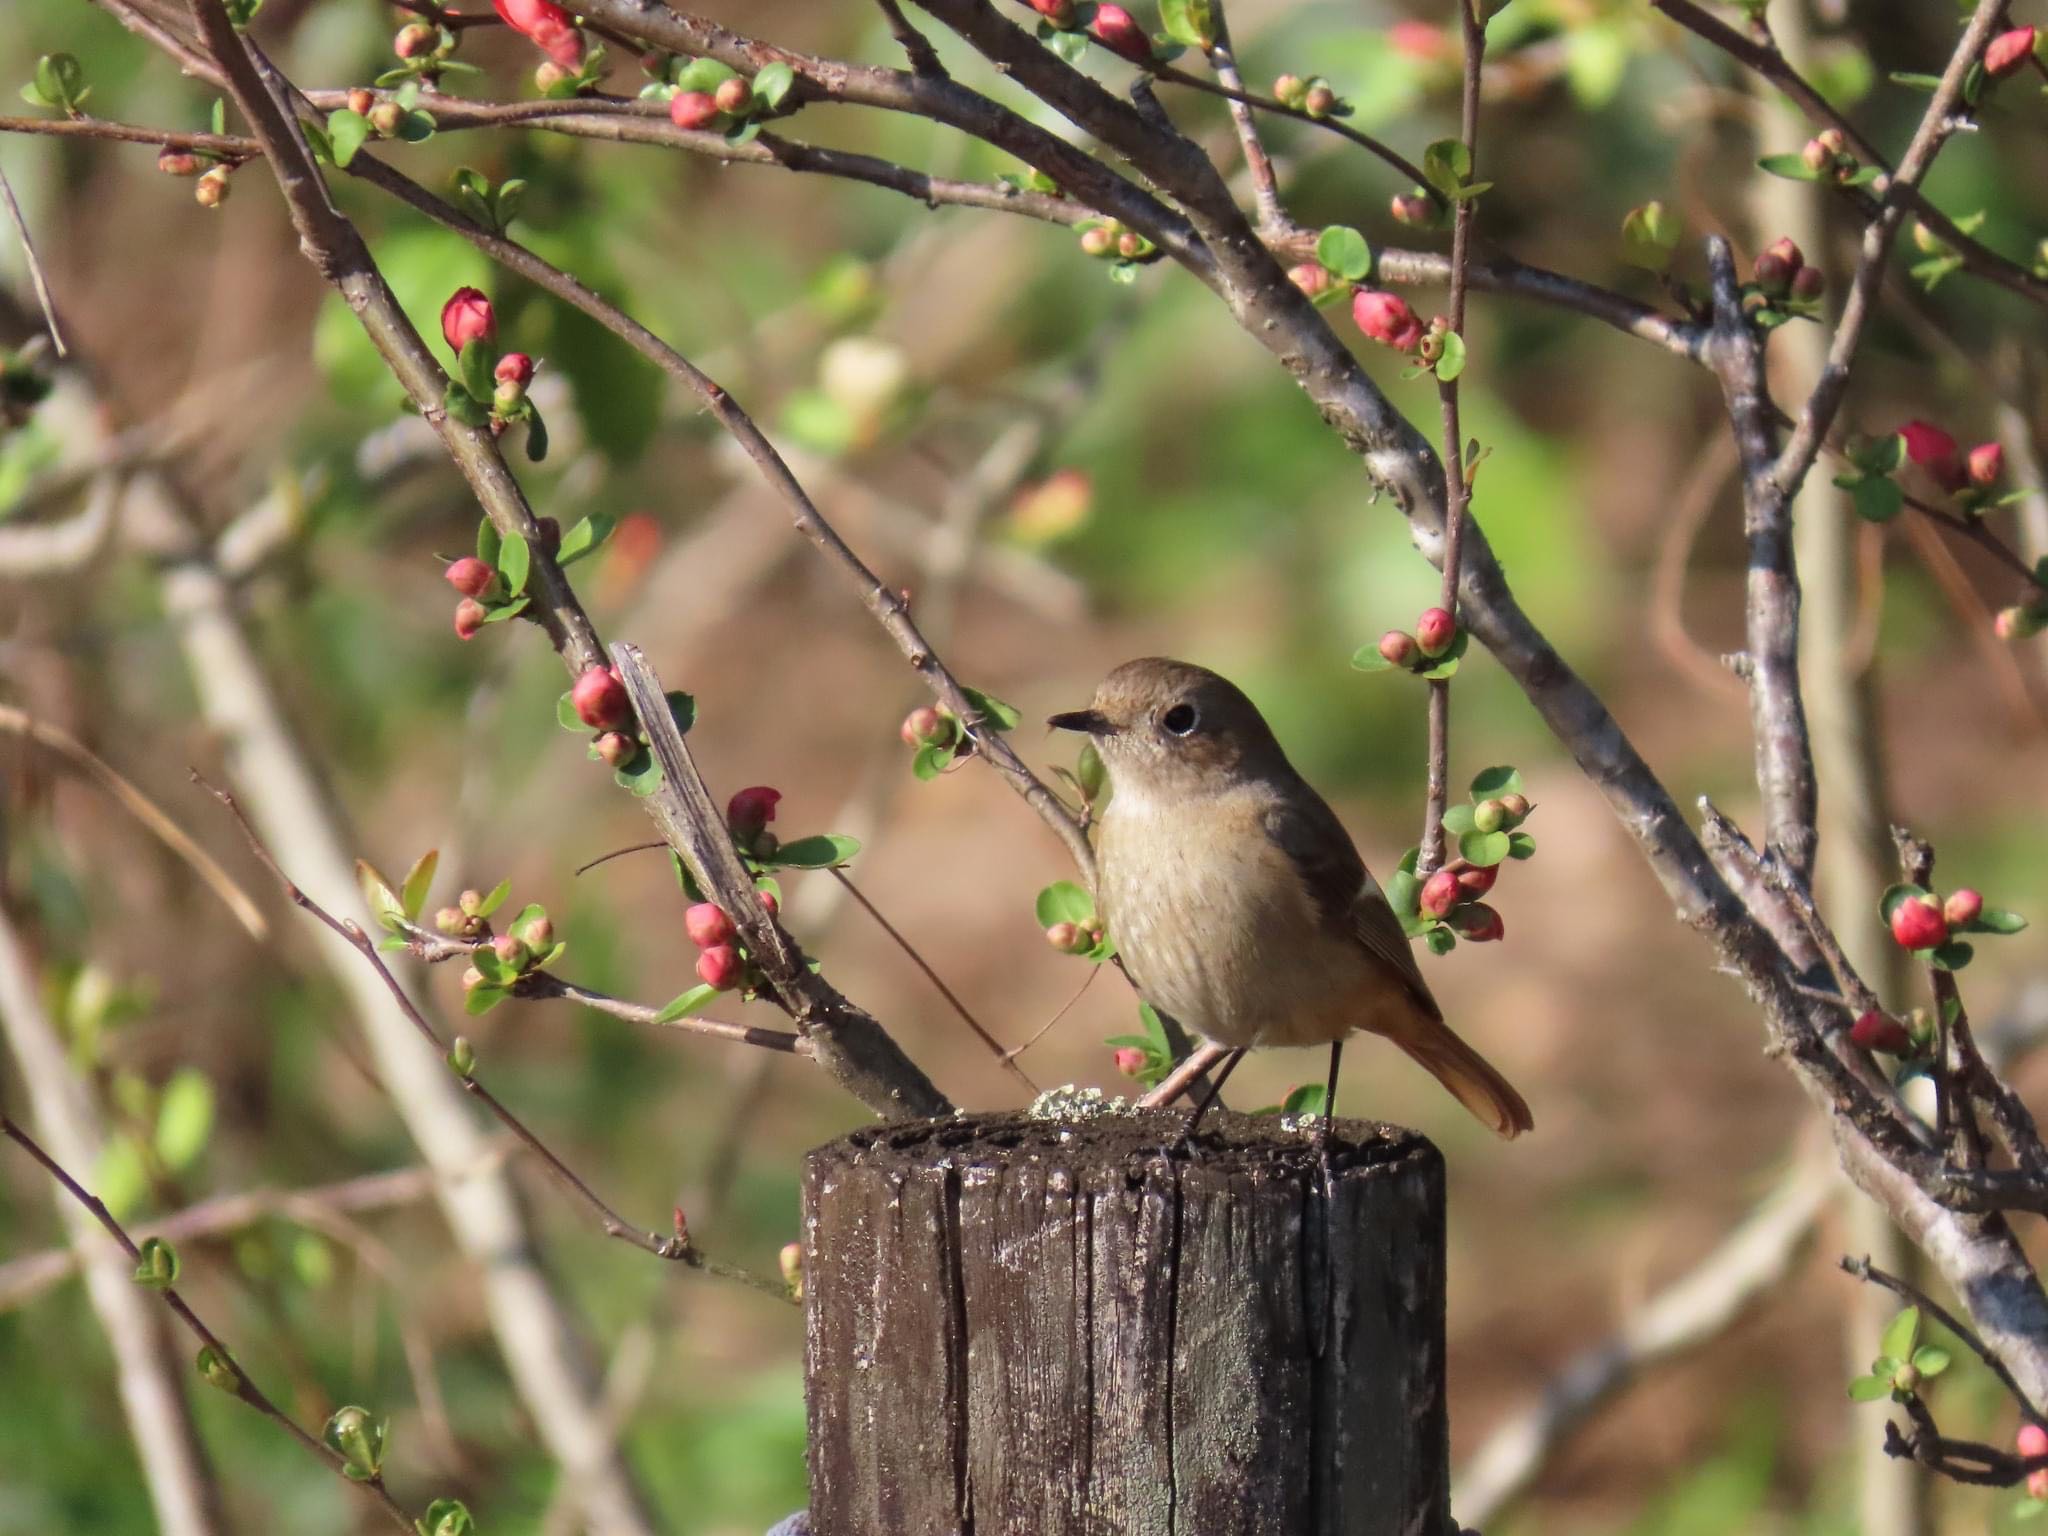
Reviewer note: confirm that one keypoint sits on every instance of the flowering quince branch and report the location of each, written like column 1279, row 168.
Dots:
column 157, row 1267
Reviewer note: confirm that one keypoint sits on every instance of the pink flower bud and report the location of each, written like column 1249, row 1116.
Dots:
column 414, row 39
column 600, row 699
column 1808, row 284
column 2017, row 623
column 177, row 162
column 707, row 925
column 1833, row 140
column 1936, row 452
column 1097, row 242
column 548, row 74
column 1114, row 28
column 751, row 809
column 1130, row 1061
column 1874, row 1031
column 470, row 576
column 1067, row 938
column 1478, row 923
column 451, row 921
column 538, row 934
column 1773, row 275
column 1398, row 648
column 734, row 95
column 1917, row 923
column 923, row 726
column 617, row 749
column 467, row 317
column 1478, row 880
column 1516, row 808
column 1059, row 12
column 721, row 967
column 1319, row 101
column 692, row 109
column 469, row 618
column 1435, row 631
column 212, row 188
column 511, row 951
column 547, row 26
column 2008, row 52
column 386, row 118
column 360, row 101
column 1413, row 209
column 1311, row 277
column 1962, row 907
column 514, row 368
column 1440, row 893
column 1986, row 464
column 1290, row 89
column 1386, row 319
column 2031, row 1441
column 1787, row 251
column 1130, row 243
column 1816, row 156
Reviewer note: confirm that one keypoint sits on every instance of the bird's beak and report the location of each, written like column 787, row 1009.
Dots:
column 1091, row 721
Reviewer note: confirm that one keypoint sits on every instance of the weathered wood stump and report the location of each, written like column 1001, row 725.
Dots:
column 1047, row 1326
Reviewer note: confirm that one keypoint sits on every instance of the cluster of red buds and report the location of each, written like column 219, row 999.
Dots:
column 1110, row 25
column 1828, row 156
column 1451, row 895
column 490, row 390
column 722, row 962
column 1107, row 240
column 2009, row 52
column 703, row 109
column 1782, row 273
column 1387, row 319
column 1436, row 631
column 1075, row 938
column 1945, row 462
column 1922, row 921
column 1315, row 96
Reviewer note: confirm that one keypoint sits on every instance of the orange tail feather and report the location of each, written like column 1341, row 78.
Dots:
column 1471, row 1079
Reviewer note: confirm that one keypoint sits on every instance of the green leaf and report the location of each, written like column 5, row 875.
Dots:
column 346, row 133
column 510, row 610
column 1188, row 22
column 930, row 762
column 1155, row 1028
column 566, row 716
column 61, row 79
column 461, row 406
column 1343, row 250
column 218, row 1370
column 1404, row 893
column 1089, row 771
column 682, row 709
column 514, row 562
column 1894, row 894
column 1440, row 940
column 487, row 542
column 1521, row 846
column 446, row 1517
column 497, row 897
column 1452, row 363
column 483, row 999
column 479, row 360
column 1307, row 1099
column 497, row 972
column 1899, row 1333
column 1485, row 848
column 1789, row 166
column 1000, row 715
column 1367, row 658
column 686, row 1004
column 416, row 127
column 358, row 1439
column 1877, row 498
column 823, row 850
column 218, row 117
column 1917, row 82
column 1493, row 783
column 772, row 83
column 158, row 1268
column 536, row 434
column 640, row 773
column 586, row 538
column 1996, row 920
column 1649, row 235
column 1458, row 819
column 418, row 881
column 184, row 1118
column 1071, row 47
column 1064, row 902
column 1870, row 1389
column 384, row 906
column 505, row 206
column 705, row 75
column 1446, row 164
column 1952, row 956
column 1930, row 1360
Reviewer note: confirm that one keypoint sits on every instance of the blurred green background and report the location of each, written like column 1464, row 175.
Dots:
column 928, row 372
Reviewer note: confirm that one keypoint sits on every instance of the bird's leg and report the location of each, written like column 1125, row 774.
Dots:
column 1215, row 1087
column 1330, row 1090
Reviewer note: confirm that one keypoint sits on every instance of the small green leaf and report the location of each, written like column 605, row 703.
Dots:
column 1649, row 235
column 1367, row 658
column 1440, row 940
column 1452, row 363
column 505, row 206
column 1877, row 498
column 1916, row 82
column 640, row 773
column 1307, row 1099
column 705, row 75
column 998, row 714
column 461, row 406
column 1064, row 902
column 479, row 359
column 384, row 906
column 158, row 1267
column 446, row 1517
column 1789, row 166
column 1458, row 819
column 487, row 542
column 346, row 133
column 218, row 117
column 1404, row 893
column 1071, row 47
column 1952, row 956
column 1930, row 1360
column 418, row 881
column 929, row 762
column 586, row 538
column 824, row 850
column 1493, row 783
column 1894, row 894
column 1089, row 771
column 1343, row 250
column 496, row 899
column 483, row 999
column 358, row 1439
column 416, row 127
column 218, row 1370
column 536, row 434
column 1188, row 22
column 1446, row 164
column 682, row 709
column 1996, row 920
column 1870, row 1389
column 514, row 562
column 685, row 1004
column 1899, row 1334
column 1484, row 848
column 772, row 83
column 184, row 1118
column 1521, row 846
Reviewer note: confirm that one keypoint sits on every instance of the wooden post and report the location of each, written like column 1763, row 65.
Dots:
column 1022, row 1327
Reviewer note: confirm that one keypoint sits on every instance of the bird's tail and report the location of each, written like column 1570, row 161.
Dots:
column 1472, row 1080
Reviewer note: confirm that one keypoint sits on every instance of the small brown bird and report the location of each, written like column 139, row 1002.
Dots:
column 1237, row 900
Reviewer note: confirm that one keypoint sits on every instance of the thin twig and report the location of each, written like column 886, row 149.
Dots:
column 35, row 266
column 1065, row 1008
column 243, row 1387
column 1868, row 1272
column 1258, row 163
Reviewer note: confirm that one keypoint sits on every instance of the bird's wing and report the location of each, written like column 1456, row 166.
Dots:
column 1346, row 896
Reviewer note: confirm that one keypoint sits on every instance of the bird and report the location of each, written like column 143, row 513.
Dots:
column 1237, row 901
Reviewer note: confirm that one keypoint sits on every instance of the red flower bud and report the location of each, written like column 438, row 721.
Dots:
column 360, row 101
column 1787, row 251
column 749, row 810
column 1478, row 923
column 1936, row 452
column 1067, row 938
column 923, row 726
column 1773, row 275
column 617, row 749
column 1440, row 893
column 1130, row 243
column 514, row 368
column 768, row 900
column 547, row 26
column 1412, row 208
column 511, row 951
column 1387, row 319
column 469, row 618
column 600, row 699
column 734, row 95
column 1130, row 1061
column 1516, row 808
column 1962, row 907
column 414, row 39
column 1114, row 28
column 1917, row 923
column 1435, row 631
column 386, row 118
column 1398, row 648
column 1478, row 880
column 1320, row 101
column 470, row 576
column 1986, row 464
column 1059, row 12
column 707, row 925
column 1874, row 1031
column 2031, row 1441
column 467, row 317
column 2008, row 52
column 177, row 162
column 1311, row 277
column 721, row 967
column 692, row 109
column 1808, row 284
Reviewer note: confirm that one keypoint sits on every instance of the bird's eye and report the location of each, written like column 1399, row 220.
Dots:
column 1179, row 720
